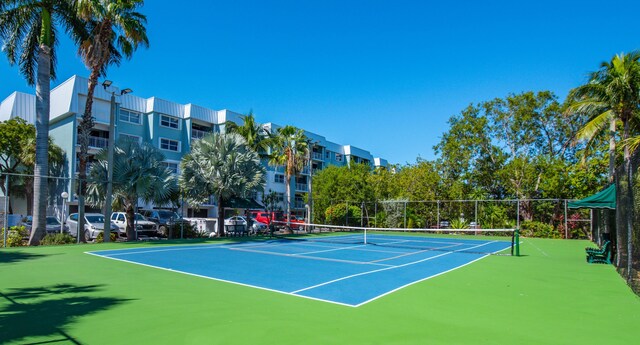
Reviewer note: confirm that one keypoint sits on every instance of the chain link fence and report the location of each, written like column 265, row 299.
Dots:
column 535, row 217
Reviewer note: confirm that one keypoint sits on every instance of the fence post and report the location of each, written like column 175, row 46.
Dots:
column 518, row 215
column 375, row 213
column 566, row 221
column 476, row 213
column 405, row 214
column 346, row 215
column 6, row 210
column 438, row 214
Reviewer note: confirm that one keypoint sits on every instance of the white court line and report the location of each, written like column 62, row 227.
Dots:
column 221, row 280
column 385, row 269
column 309, row 257
column 413, row 253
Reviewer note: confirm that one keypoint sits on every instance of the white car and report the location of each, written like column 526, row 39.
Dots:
column 239, row 223
column 93, row 225
column 143, row 226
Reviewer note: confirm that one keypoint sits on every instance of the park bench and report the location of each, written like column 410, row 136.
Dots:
column 600, row 255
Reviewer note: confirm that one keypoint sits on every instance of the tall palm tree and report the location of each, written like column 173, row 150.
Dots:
column 256, row 136
column 29, row 29
column 116, row 29
column 289, row 150
column 138, row 173
column 611, row 95
column 222, row 165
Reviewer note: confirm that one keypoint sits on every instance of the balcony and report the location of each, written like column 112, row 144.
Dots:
column 299, row 204
column 305, row 170
column 98, row 142
column 302, row 187
column 317, row 156
column 198, row 134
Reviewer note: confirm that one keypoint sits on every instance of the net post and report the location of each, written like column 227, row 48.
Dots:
column 365, row 236
column 516, row 240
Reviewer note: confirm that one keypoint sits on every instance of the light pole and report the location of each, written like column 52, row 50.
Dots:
column 110, row 146
column 64, row 196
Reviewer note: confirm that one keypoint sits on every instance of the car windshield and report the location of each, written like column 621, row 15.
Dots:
column 167, row 215
column 140, row 217
column 95, row 219
column 52, row 221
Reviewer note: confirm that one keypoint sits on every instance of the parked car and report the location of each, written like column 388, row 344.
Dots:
column 239, row 223
column 296, row 223
column 164, row 219
column 261, row 216
column 94, row 224
column 143, row 226
column 52, row 226
column 444, row 224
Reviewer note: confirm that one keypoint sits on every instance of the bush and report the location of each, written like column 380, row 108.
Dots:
column 538, row 229
column 459, row 224
column 112, row 236
column 340, row 213
column 57, row 239
column 16, row 236
column 188, row 231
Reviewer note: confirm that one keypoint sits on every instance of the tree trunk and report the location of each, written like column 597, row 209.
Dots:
column 612, row 148
column 41, row 167
column 84, row 131
column 130, row 228
column 630, row 216
column 220, row 217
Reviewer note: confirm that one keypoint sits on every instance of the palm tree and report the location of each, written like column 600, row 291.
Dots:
column 138, row 173
column 222, row 165
column 256, row 136
column 115, row 30
column 611, row 95
column 289, row 150
column 29, row 30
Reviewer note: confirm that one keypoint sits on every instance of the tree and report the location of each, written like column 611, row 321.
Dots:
column 138, row 173
column 258, row 139
column 612, row 94
column 115, row 30
column 13, row 134
column 222, row 165
column 29, row 30
column 289, row 150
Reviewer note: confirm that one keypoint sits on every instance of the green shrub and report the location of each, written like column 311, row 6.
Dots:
column 459, row 224
column 538, row 229
column 16, row 236
column 187, row 230
column 340, row 214
column 112, row 236
column 57, row 239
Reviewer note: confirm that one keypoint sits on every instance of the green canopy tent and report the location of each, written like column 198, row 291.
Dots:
column 605, row 199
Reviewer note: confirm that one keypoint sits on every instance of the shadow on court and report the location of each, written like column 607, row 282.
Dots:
column 11, row 257
column 33, row 313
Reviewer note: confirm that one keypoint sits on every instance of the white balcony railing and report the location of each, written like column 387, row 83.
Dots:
column 317, row 155
column 98, row 142
column 302, row 187
column 198, row 134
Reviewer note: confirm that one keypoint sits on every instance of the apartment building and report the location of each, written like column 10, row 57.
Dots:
column 172, row 127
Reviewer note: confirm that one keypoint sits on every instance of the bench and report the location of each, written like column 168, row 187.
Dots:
column 600, row 255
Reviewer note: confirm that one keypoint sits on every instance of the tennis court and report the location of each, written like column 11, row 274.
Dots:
column 350, row 270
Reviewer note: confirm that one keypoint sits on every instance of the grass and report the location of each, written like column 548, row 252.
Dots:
column 548, row 296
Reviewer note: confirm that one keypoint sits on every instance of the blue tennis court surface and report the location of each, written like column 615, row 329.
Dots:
column 347, row 274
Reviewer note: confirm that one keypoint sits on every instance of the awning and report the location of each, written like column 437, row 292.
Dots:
column 243, row 203
column 605, row 199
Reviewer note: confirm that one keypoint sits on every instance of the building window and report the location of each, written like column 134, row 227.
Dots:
column 170, row 145
column 338, row 157
column 169, row 122
column 130, row 137
column 171, row 166
column 130, row 116
column 279, row 197
column 278, row 178
column 327, row 154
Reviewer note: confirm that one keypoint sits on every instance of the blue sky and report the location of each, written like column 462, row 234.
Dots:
column 384, row 76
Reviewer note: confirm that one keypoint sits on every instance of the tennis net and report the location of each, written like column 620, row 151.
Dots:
column 476, row 241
